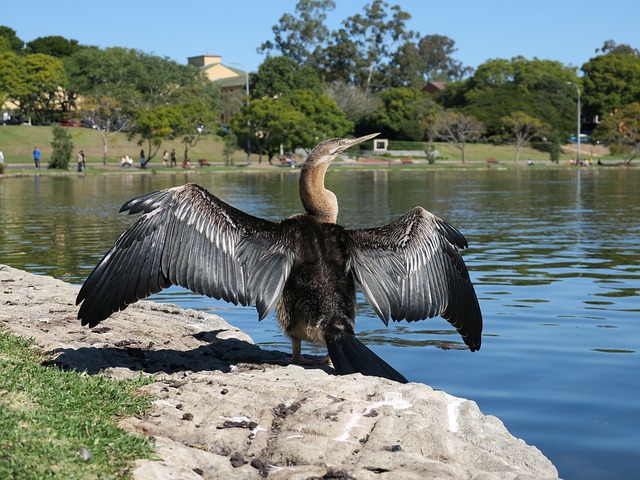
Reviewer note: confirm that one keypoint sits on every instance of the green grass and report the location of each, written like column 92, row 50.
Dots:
column 48, row 416
column 17, row 142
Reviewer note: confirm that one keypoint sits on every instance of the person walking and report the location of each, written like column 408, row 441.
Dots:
column 173, row 158
column 143, row 161
column 36, row 156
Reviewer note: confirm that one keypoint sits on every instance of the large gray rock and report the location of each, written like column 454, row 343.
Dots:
column 225, row 408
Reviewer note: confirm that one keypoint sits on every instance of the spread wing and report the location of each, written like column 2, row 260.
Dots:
column 188, row 237
column 411, row 269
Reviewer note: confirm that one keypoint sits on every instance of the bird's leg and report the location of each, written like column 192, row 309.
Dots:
column 296, row 350
column 298, row 359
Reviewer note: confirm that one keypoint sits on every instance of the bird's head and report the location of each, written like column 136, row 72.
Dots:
column 328, row 150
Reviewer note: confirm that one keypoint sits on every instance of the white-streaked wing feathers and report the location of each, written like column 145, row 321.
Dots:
column 188, row 237
column 411, row 269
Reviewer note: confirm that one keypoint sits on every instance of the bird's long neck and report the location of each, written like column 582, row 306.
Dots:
column 319, row 202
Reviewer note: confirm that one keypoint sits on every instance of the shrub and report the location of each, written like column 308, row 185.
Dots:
column 62, row 148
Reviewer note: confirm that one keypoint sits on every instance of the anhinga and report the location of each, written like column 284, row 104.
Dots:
column 306, row 266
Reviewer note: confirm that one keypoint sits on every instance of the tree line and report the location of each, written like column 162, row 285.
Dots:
column 369, row 74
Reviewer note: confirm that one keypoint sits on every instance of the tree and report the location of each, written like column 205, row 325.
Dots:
column 610, row 46
column 279, row 76
column 323, row 118
column 268, row 123
column 374, row 37
column 230, row 146
column 621, row 132
column 610, row 81
column 400, row 115
column 14, row 41
column 430, row 59
column 62, row 148
column 9, row 65
column 301, row 36
column 55, row 46
column 154, row 126
column 457, row 129
column 354, row 101
column 119, row 85
column 296, row 120
column 501, row 87
column 197, row 111
column 186, row 115
column 522, row 128
column 36, row 84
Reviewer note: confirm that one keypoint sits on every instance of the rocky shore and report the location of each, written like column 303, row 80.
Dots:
column 225, row 408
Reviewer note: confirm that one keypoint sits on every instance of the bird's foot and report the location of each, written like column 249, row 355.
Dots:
column 311, row 360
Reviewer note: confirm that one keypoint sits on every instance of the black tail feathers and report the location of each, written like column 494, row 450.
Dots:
column 349, row 355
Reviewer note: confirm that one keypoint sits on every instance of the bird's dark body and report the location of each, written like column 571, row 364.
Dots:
column 319, row 295
column 307, row 266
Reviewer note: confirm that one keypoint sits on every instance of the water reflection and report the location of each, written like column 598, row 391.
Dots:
column 554, row 254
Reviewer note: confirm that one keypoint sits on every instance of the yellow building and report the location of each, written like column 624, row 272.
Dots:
column 227, row 77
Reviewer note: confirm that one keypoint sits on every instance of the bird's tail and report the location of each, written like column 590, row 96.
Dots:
column 349, row 355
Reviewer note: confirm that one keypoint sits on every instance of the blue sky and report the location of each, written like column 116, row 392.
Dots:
column 566, row 31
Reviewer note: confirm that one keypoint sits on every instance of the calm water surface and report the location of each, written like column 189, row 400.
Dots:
column 554, row 255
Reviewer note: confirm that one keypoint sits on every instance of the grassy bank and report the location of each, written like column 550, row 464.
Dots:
column 58, row 424
column 17, row 142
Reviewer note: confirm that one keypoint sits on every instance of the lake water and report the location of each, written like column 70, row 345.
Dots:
column 554, row 255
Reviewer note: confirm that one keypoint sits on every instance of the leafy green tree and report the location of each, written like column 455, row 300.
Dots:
column 9, row 65
column 374, row 35
column 53, row 45
column 401, row 114
column 302, row 35
column 324, row 118
column 186, row 115
column 621, row 132
column 522, row 128
column 154, row 126
column 611, row 46
column 501, row 87
column 269, row 123
column 430, row 59
column 118, row 86
column 36, row 83
column 457, row 129
column 197, row 112
column 278, row 76
column 611, row 81
column 62, row 144
column 14, row 41
column 5, row 46
column 230, row 147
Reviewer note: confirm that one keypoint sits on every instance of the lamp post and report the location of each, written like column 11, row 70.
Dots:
column 246, row 78
column 578, row 90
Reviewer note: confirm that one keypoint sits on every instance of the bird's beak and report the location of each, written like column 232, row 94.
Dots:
column 350, row 142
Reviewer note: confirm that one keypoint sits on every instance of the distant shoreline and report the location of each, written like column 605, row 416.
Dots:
column 22, row 170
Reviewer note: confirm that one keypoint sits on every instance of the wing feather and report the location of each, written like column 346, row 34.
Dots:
column 411, row 269
column 188, row 237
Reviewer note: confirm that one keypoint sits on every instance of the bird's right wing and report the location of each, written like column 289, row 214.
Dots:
column 188, row 237
column 411, row 269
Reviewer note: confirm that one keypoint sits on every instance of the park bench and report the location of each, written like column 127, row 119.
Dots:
column 203, row 162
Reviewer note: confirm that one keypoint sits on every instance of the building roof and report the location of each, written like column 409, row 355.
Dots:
column 227, row 77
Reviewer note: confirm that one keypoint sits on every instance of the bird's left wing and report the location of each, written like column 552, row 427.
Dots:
column 186, row 236
column 411, row 269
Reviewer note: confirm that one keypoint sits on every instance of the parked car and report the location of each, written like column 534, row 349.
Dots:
column 69, row 123
column 86, row 123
